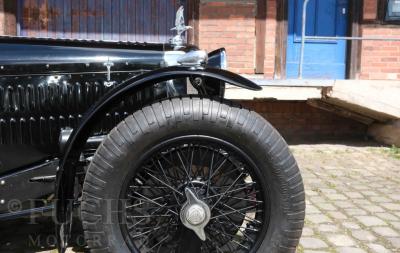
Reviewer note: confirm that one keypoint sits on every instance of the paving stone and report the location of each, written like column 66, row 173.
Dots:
column 370, row 193
column 317, row 199
column 363, row 235
column 343, row 204
column 327, row 228
column 396, row 225
column 362, row 202
column 373, row 208
column 395, row 241
column 326, row 207
column 394, row 196
column 360, row 187
column 377, row 248
column 312, row 243
column 354, row 195
column 318, row 218
column 337, row 215
column 311, row 192
column 328, row 191
column 351, row 225
column 351, row 250
column 385, row 190
column 391, row 206
column 387, row 216
column 370, row 221
column 336, row 196
column 316, row 251
column 311, row 209
column 339, row 240
column 380, row 199
column 307, row 232
column 386, row 231
column 355, row 211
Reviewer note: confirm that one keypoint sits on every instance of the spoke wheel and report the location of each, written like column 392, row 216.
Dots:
column 219, row 174
column 193, row 175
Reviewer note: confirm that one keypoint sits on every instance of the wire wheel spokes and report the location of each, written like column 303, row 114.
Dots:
column 219, row 176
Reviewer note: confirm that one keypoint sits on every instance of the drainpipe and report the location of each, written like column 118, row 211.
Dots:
column 303, row 38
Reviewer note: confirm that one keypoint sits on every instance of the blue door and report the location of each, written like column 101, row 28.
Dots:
column 322, row 59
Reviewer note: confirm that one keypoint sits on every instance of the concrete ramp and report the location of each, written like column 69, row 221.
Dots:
column 375, row 103
column 366, row 101
column 289, row 90
column 377, row 99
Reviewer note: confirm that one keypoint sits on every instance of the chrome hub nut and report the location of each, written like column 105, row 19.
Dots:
column 195, row 214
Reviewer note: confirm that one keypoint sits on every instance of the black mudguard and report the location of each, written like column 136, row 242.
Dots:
column 74, row 147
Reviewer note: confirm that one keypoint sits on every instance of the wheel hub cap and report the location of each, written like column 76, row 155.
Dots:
column 195, row 214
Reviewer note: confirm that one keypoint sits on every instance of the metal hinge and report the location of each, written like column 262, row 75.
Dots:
column 43, row 179
column 108, row 65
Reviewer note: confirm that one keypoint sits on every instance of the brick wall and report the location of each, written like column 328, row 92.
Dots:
column 230, row 24
column 298, row 121
column 270, row 40
column 1, row 17
column 379, row 59
column 369, row 9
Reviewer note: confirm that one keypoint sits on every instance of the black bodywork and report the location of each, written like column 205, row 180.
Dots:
column 48, row 85
column 58, row 98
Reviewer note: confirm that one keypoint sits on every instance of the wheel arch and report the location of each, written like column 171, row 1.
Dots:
column 74, row 147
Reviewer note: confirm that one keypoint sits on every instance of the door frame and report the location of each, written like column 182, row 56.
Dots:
column 10, row 17
column 353, row 47
column 193, row 14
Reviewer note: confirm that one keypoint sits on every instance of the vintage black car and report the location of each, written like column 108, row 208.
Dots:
column 138, row 140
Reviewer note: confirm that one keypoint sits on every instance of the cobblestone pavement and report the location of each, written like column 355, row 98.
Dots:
column 353, row 199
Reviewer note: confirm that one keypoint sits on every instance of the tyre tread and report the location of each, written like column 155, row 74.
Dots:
column 175, row 111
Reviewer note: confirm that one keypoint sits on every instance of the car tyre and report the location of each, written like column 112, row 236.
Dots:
column 121, row 154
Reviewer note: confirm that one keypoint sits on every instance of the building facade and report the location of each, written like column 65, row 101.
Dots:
column 268, row 33
column 261, row 36
column 263, row 40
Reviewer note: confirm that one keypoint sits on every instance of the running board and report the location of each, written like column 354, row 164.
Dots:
column 26, row 213
column 18, row 192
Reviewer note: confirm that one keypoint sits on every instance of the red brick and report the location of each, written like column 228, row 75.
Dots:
column 299, row 121
column 230, row 25
column 370, row 9
column 271, row 24
column 2, row 32
column 390, row 70
column 380, row 59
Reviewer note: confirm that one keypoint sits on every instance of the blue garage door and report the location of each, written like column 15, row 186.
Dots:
column 323, row 59
column 119, row 20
